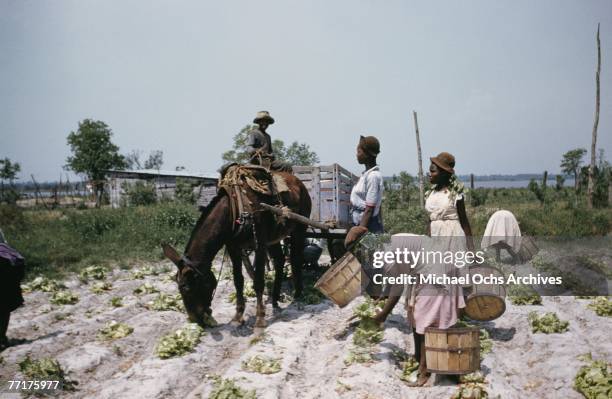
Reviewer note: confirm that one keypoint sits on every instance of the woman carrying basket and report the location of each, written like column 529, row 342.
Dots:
column 435, row 305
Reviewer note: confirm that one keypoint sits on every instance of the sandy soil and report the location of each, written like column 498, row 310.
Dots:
column 312, row 342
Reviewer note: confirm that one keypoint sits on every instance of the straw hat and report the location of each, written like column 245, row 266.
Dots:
column 263, row 116
column 444, row 160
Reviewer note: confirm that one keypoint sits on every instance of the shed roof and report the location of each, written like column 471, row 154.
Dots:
column 165, row 173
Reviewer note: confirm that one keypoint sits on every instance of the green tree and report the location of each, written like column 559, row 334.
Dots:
column 296, row 154
column 570, row 164
column 8, row 172
column 299, row 154
column 93, row 153
column 238, row 152
column 155, row 160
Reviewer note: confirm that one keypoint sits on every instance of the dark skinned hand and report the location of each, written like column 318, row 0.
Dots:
column 353, row 235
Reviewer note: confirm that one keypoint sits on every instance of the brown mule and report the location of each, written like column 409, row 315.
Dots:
column 262, row 232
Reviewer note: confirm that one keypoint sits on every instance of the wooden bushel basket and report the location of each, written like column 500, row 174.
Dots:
column 452, row 351
column 486, row 302
column 342, row 282
column 528, row 249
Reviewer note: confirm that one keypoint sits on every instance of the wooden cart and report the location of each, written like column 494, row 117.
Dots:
column 330, row 191
column 330, row 188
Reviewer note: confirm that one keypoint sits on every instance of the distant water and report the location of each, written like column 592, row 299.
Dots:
column 513, row 183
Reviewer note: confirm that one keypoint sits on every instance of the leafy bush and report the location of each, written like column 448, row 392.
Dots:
column 248, row 292
column 101, row 286
column 358, row 355
column 146, row 288
column 93, row 272
column 140, row 193
column 410, row 367
column 594, row 380
column 116, row 302
column 478, row 196
column 405, row 220
column 368, row 332
column 140, row 273
column 43, row 284
column 227, row 389
column 547, row 323
column 524, row 295
column 471, row 391
column 64, row 298
column 184, row 191
column 45, row 369
column 166, row 302
column 179, row 342
column 178, row 217
column 262, row 365
column 114, row 330
column 602, row 306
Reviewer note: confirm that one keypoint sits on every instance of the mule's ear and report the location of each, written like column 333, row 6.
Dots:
column 171, row 254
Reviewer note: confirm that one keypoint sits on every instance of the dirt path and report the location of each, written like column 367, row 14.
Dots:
column 311, row 341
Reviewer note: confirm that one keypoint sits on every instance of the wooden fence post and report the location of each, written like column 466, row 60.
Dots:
column 418, row 140
column 591, row 183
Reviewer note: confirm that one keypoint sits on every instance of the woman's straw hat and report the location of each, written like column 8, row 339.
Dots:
column 263, row 116
column 444, row 160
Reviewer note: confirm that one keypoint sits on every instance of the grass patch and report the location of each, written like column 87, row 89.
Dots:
column 548, row 323
column 56, row 243
column 114, row 330
column 262, row 365
column 179, row 342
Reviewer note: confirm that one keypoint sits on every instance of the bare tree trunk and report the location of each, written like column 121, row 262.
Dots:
column 595, row 125
column 418, row 140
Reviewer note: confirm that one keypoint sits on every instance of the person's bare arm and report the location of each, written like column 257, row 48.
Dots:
column 465, row 224
column 365, row 218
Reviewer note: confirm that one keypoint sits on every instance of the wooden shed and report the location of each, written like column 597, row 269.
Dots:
column 204, row 185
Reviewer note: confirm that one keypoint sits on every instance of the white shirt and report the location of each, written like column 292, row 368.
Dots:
column 367, row 192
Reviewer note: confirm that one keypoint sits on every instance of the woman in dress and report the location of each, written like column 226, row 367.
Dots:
column 434, row 305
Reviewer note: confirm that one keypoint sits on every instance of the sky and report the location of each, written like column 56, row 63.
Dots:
column 507, row 87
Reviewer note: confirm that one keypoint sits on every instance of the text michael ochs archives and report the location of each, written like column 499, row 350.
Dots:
column 459, row 259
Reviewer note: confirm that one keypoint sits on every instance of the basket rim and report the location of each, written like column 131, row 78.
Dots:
column 451, row 329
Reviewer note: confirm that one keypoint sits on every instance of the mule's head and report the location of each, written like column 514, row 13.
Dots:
column 196, row 285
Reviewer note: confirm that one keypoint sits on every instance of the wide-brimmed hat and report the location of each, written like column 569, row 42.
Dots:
column 370, row 145
column 444, row 160
column 263, row 116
